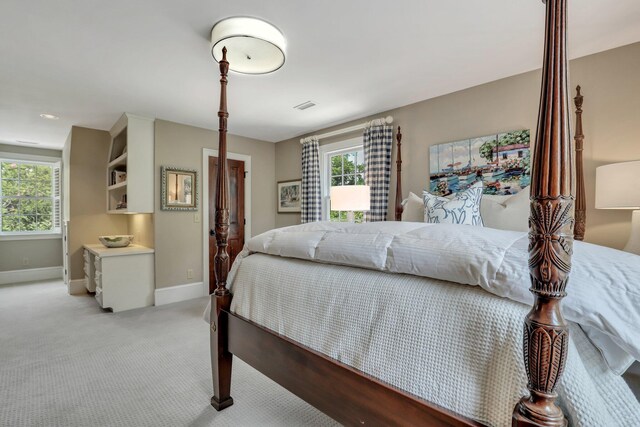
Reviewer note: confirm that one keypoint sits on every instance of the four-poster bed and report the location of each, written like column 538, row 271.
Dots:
column 353, row 397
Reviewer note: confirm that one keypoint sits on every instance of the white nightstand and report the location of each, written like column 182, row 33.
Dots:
column 122, row 278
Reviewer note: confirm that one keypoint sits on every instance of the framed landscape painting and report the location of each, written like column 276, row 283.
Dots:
column 501, row 162
column 289, row 196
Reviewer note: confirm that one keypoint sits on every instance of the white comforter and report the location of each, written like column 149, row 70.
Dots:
column 473, row 338
column 603, row 291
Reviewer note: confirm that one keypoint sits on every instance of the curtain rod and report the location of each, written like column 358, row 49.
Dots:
column 385, row 120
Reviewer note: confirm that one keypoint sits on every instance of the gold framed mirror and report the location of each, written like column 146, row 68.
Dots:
column 179, row 189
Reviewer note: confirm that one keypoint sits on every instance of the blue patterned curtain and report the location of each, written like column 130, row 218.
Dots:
column 377, row 142
column 311, row 207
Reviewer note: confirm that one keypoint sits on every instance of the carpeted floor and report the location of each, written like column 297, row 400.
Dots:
column 66, row 362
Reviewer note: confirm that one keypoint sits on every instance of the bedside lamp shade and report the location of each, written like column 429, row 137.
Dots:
column 351, row 198
column 618, row 186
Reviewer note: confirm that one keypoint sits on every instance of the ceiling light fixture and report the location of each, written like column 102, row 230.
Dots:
column 253, row 46
column 49, row 116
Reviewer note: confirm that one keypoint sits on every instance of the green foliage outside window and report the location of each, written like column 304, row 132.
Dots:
column 341, row 216
column 26, row 197
column 347, row 169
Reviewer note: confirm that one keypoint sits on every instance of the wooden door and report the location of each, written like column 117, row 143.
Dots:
column 235, row 240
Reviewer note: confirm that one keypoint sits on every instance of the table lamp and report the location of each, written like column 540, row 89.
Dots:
column 350, row 198
column 618, row 187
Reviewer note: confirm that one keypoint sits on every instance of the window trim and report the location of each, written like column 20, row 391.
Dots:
column 54, row 162
column 326, row 151
column 40, row 235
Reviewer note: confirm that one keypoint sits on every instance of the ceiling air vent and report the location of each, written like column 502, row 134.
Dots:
column 305, row 105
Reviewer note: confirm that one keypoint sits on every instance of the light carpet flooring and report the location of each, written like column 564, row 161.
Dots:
column 66, row 362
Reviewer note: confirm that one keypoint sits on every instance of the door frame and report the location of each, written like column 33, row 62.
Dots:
column 206, row 153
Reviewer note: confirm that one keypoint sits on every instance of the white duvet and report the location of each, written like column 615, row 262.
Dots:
column 453, row 345
column 603, row 291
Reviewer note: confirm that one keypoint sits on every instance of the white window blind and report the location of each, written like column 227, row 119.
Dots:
column 341, row 163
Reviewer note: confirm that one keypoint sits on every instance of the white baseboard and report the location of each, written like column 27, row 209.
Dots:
column 179, row 293
column 77, row 287
column 30, row 275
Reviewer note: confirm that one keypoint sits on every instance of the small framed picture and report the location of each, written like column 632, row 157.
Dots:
column 289, row 196
column 179, row 189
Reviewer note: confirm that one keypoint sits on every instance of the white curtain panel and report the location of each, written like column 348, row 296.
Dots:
column 378, row 142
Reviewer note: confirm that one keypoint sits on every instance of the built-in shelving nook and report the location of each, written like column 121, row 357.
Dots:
column 130, row 166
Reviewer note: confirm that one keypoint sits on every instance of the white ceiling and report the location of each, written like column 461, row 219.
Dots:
column 88, row 61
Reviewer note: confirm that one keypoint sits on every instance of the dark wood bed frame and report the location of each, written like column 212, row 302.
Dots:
column 354, row 398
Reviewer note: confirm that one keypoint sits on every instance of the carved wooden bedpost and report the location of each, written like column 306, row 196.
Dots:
column 221, row 298
column 581, row 205
column 551, row 232
column 399, row 206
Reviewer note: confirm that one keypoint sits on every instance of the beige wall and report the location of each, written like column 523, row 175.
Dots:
column 178, row 238
column 289, row 168
column 20, row 149
column 141, row 226
column 88, row 219
column 610, row 83
column 40, row 253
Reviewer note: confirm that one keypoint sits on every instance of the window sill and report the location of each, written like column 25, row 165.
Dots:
column 35, row 236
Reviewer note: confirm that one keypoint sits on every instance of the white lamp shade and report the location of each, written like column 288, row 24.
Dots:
column 618, row 186
column 253, row 46
column 351, row 198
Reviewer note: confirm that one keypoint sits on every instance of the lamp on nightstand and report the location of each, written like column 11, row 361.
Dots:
column 618, row 187
column 350, row 198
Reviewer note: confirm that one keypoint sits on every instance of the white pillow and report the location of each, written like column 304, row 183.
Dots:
column 413, row 208
column 463, row 208
column 495, row 198
column 506, row 212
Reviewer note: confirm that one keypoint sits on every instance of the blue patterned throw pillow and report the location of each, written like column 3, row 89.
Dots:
column 463, row 208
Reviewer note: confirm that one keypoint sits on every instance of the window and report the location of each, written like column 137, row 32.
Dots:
column 29, row 197
column 342, row 163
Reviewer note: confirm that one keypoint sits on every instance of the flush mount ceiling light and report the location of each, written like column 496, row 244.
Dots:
column 49, row 116
column 253, row 46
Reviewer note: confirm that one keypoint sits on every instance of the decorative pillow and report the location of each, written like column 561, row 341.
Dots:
column 413, row 209
column 464, row 208
column 506, row 212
